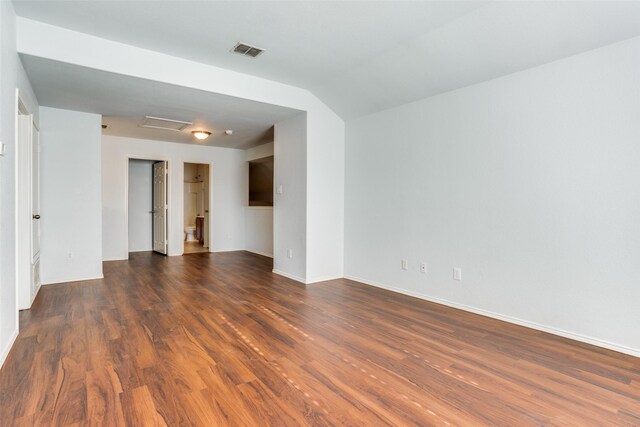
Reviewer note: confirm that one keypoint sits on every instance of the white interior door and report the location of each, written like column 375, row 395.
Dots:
column 24, row 213
column 160, row 207
column 205, row 198
column 35, row 209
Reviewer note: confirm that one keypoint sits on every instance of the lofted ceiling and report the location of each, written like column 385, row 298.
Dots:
column 124, row 101
column 357, row 56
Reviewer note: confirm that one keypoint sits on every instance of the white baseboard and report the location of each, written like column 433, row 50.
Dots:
column 73, row 280
column 304, row 281
column 137, row 250
column 323, row 279
column 289, row 276
column 35, row 294
column 7, row 348
column 260, row 253
column 114, row 259
column 505, row 318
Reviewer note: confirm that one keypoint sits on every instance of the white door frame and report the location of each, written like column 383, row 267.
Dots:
column 160, row 208
column 210, row 224
column 170, row 242
column 23, row 208
column 35, row 258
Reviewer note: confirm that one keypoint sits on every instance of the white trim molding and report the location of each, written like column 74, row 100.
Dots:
column 322, row 279
column 289, row 276
column 226, row 250
column 86, row 279
column 259, row 253
column 304, row 281
column 35, row 294
column 532, row 325
column 7, row 349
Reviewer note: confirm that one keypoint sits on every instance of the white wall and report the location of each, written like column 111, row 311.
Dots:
column 529, row 183
column 325, row 153
column 190, row 172
column 258, row 223
column 290, row 207
column 323, row 139
column 189, row 195
column 12, row 76
column 71, row 247
column 258, row 220
column 259, row 152
column 229, row 192
column 140, row 205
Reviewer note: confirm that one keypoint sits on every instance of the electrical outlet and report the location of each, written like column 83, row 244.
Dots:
column 290, row 253
column 279, row 189
column 405, row 264
column 457, row 273
column 423, row 267
column 69, row 255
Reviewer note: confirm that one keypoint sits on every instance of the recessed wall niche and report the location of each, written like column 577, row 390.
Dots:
column 261, row 182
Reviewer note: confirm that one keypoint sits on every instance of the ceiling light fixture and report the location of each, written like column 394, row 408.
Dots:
column 201, row 134
column 228, row 132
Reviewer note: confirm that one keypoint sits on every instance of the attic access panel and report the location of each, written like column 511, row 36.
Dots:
column 161, row 123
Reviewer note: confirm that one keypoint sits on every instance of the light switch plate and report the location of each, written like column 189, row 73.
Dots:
column 3, row 148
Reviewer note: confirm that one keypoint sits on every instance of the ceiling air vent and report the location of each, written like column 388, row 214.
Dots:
column 246, row 50
column 166, row 124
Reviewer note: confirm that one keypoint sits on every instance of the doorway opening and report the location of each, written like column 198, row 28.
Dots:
column 196, row 208
column 147, row 206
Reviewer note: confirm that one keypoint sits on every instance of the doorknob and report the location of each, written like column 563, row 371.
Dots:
column 36, row 216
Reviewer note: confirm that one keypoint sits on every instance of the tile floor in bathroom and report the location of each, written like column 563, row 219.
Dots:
column 194, row 247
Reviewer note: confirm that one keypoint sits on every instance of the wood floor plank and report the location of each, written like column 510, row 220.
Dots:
column 218, row 339
column 231, row 403
column 103, row 398
column 258, row 398
column 70, row 403
column 170, row 405
column 204, row 410
column 139, row 408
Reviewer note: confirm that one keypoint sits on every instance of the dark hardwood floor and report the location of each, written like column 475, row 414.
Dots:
column 217, row 339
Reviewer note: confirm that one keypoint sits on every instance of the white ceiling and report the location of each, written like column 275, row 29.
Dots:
column 124, row 101
column 357, row 56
